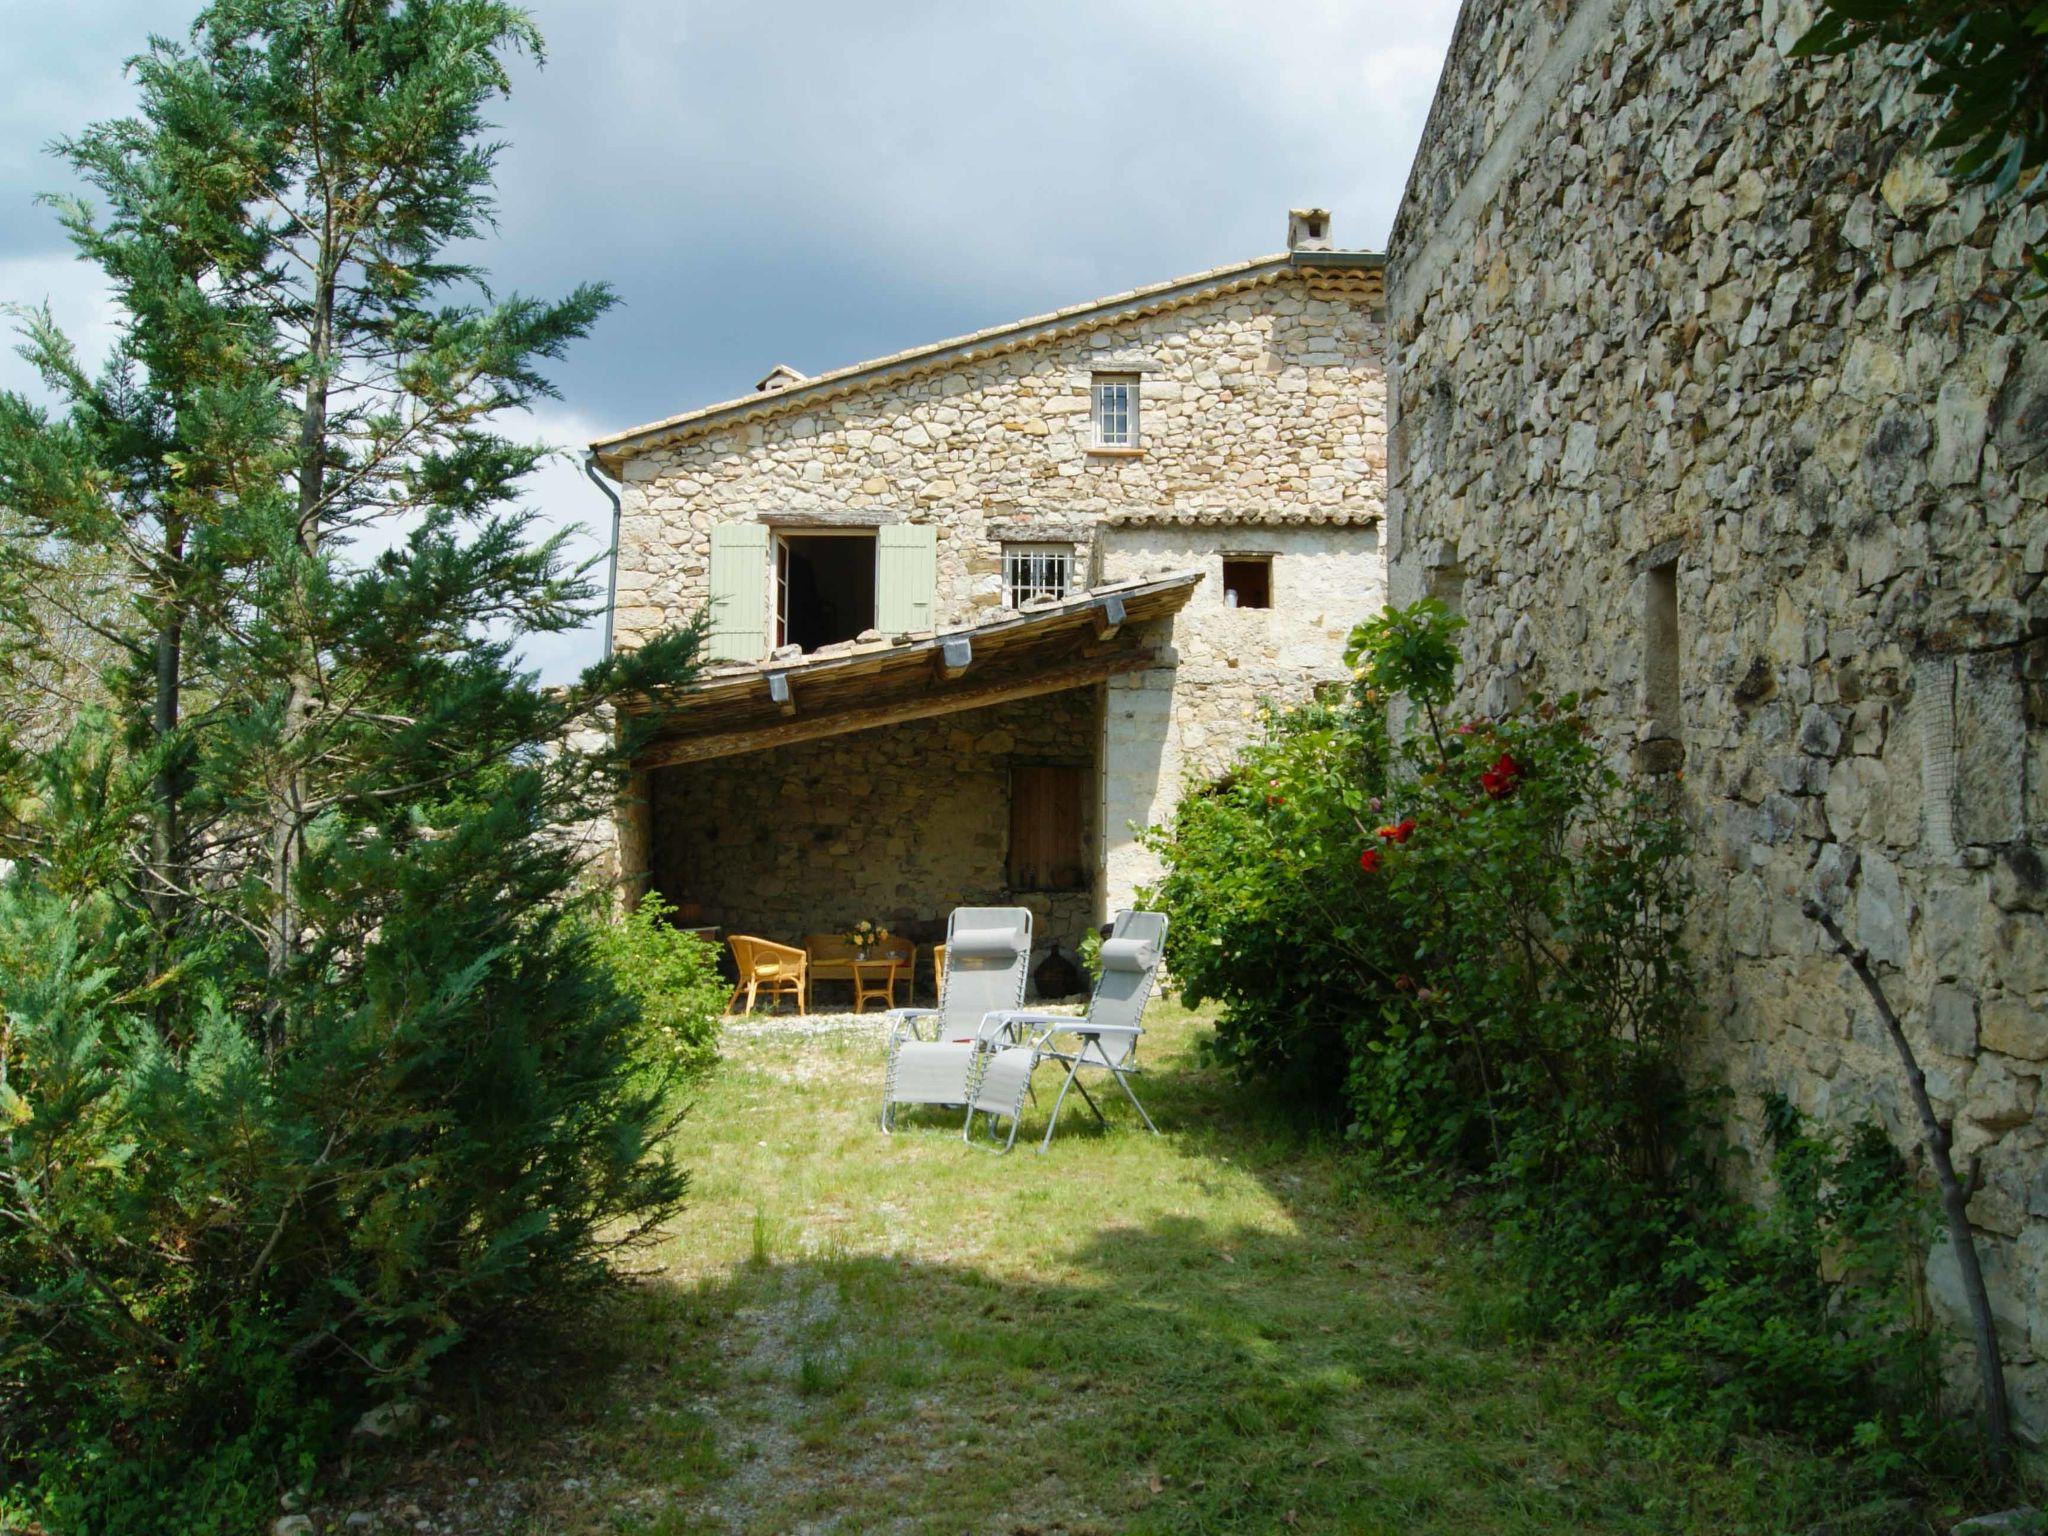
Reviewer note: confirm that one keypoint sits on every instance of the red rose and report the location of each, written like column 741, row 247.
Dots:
column 1369, row 861
column 1404, row 829
column 1501, row 778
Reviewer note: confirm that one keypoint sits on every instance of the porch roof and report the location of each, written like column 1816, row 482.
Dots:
column 1068, row 644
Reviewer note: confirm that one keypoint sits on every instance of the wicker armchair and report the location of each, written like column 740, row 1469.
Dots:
column 782, row 970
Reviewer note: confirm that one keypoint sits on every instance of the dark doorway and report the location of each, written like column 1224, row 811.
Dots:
column 1046, row 837
column 824, row 588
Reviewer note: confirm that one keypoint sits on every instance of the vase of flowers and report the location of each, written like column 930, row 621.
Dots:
column 866, row 937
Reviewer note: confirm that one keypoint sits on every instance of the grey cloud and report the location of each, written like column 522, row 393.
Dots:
column 816, row 183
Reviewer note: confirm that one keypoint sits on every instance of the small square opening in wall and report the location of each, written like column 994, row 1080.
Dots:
column 1248, row 581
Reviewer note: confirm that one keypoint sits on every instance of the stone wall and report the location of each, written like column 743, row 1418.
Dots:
column 1264, row 403
column 1167, row 725
column 900, row 824
column 1261, row 425
column 1661, row 294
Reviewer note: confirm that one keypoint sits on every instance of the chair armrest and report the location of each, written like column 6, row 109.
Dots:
column 1067, row 1024
column 904, row 1021
column 1016, row 1025
column 1009, row 1024
column 781, row 951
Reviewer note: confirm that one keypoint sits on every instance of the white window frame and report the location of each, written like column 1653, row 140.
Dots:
column 1032, row 571
column 778, row 570
column 1113, row 406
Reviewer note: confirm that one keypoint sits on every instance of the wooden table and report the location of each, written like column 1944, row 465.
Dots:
column 867, row 990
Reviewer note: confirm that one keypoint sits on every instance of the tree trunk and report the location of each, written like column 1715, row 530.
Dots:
column 163, row 724
column 1954, row 1203
column 287, row 845
column 166, row 830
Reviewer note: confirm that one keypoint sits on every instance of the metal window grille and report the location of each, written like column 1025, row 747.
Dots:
column 1032, row 571
column 1116, row 411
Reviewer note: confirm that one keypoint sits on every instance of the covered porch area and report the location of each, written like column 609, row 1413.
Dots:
column 894, row 780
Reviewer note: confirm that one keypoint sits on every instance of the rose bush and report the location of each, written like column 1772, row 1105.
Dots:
column 1467, row 944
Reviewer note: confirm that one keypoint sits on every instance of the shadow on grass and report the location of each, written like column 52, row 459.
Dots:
column 1188, row 1379
column 1316, row 1372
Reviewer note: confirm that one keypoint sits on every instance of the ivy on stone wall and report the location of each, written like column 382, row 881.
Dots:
column 1986, row 62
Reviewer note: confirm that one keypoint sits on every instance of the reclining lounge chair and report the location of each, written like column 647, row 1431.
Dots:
column 933, row 1051
column 1103, row 1039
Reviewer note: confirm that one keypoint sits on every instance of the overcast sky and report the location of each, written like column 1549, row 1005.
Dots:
column 816, row 183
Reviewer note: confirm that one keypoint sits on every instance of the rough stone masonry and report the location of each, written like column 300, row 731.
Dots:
column 1706, row 394
column 1262, row 412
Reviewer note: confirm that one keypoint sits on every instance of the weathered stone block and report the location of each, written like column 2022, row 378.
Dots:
column 2021, row 424
column 1891, row 466
column 1999, row 1099
column 1991, row 750
column 2019, row 880
column 1952, row 1019
column 2015, row 1027
column 2027, row 1388
column 2008, row 1305
column 1883, row 911
column 2019, row 957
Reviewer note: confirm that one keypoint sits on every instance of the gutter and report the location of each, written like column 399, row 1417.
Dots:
column 596, row 476
column 1310, row 261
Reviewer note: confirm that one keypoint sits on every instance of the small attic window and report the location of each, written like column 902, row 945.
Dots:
column 1115, row 400
column 1247, row 581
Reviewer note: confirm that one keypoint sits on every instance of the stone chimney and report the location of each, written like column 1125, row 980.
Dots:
column 781, row 376
column 1308, row 229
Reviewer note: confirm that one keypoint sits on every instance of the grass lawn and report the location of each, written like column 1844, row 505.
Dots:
column 1204, row 1331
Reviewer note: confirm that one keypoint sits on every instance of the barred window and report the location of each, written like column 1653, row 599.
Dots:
column 1036, row 570
column 1116, row 410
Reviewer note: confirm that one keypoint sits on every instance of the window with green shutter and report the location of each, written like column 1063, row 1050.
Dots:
column 906, row 575
column 739, row 586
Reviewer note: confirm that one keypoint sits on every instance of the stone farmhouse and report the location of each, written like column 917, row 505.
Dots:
column 1709, row 393
column 979, row 609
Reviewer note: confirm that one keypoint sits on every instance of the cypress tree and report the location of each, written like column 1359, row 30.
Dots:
column 307, row 1068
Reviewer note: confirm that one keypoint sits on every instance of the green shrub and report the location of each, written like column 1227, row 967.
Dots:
column 225, row 1236
column 1091, row 955
column 1271, row 916
column 1469, row 943
column 1475, row 968
column 1799, row 1316
column 673, row 975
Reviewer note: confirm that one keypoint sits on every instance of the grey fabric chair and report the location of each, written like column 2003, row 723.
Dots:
column 1103, row 1039
column 933, row 1051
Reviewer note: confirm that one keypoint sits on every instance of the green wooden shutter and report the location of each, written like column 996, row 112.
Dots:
column 906, row 572
column 739, row 581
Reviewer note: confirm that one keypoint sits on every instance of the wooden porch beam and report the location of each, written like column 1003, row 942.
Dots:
column 697, row 749
column 1109, row 616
